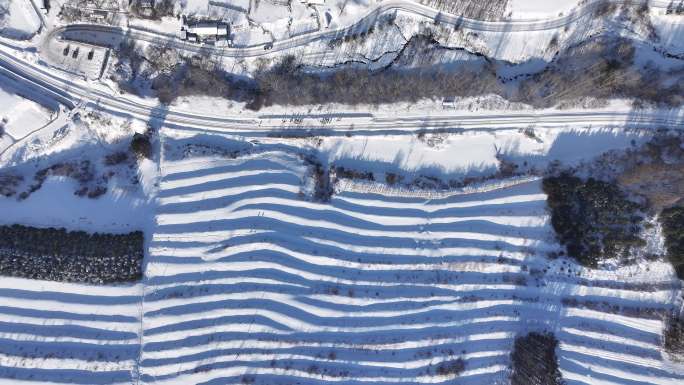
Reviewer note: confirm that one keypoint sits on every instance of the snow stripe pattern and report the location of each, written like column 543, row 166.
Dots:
column 250, row 282
column 54, row 332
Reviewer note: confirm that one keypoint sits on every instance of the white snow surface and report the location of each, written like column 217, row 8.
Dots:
column 248, row 279
column 57, row 332
column 116, row 211
column 20, row 116
column 468, row 154
column 21, row 21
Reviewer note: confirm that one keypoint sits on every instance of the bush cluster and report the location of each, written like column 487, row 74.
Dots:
column 601, row 67
column 9, row 183
column 593, row 219
column 116, row 158
column 141, row 146
column 673, row 338
column 341, row 172
column 71, row 256
column 677, row 9
column 672, row 220
column 534, row 360
column 323, row 188
column 82, row 172
column 450, row 368
column 160, row 9
column 287, row 84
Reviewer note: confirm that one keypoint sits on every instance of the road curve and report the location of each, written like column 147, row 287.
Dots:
column 369, row 18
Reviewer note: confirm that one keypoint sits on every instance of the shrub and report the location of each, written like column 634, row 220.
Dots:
column 323, row 188
column 673, row 338
column 141, row 146
column 81, row 172
column 9, row 183
column 534, row 360
column 453, row 367
column 604, row 7
column 592, row 218
column 392, row 178
column 347, row 173
column 672, row 220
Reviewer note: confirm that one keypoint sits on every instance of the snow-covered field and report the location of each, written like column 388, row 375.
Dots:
column 116, row 211
column 68, row 333
column 19, row 117
column 250, row 281
column 21, row 20
column 471, row 153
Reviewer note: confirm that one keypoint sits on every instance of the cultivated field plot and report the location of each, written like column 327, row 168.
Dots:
column 250, row 281
column 53, row 332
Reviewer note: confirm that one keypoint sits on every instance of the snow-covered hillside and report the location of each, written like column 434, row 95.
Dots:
column 250, row 281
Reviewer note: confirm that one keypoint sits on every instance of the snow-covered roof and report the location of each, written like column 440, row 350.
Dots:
column 208, row 29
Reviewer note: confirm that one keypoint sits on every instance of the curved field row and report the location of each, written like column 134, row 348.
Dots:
column 249, row 281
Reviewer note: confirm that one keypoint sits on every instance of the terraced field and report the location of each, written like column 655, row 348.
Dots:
column 249, row 281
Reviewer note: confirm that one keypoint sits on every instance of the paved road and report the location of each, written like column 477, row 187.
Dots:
column 73, row 93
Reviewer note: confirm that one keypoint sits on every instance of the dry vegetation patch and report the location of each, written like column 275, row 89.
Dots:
column 594, row 219
column 673, row 338
column 602, row 216
column 672, row 220
column 534, row 360
column 654, row 170
column 71, row 256
column 9, row 183
column 472, row 9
